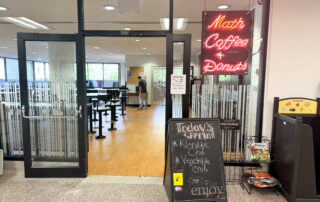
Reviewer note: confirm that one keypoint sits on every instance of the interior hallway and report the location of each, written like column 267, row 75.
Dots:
column 136, row 148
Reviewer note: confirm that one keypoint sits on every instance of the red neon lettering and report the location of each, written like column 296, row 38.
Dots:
column 219, row 55
column 211, row 66
column 225, row 44
column 220, row 23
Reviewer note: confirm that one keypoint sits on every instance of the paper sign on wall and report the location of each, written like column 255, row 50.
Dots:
column 178, row 84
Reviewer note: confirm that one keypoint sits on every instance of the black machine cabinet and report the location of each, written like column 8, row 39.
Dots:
column 295, row 154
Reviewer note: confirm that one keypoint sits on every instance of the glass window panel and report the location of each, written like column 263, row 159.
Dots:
column 56, row 143
column 30, row 71
column 177, row 69
column 95, row 74
column 111, row 75
column 39, row 71
column 12, row 69
column 2, row 71
column 47, row 71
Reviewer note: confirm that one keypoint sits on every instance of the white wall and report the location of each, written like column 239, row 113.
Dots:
column 293, row 65
column 147, row 62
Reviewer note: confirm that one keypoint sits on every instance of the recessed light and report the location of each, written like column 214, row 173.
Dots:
column 127, row 28
column 109, row 8
column 198, row 40
column 223, row 6
column 137, row 40
column 144, row 48
column 148, row 53
column 109, row 53
column 96, row 47
column 3, row 8
column 178, row 23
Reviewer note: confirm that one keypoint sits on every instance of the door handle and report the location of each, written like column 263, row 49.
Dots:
column 79, row 112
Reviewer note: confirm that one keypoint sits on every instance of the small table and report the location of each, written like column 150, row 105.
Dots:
column 95, row 102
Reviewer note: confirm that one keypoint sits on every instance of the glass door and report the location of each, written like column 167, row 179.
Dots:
column 53, row 105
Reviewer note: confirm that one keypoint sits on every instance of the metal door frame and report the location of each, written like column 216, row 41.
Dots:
column 186, row 40
column 82, row 170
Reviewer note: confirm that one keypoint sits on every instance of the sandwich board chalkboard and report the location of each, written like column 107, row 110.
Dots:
column 194, row 162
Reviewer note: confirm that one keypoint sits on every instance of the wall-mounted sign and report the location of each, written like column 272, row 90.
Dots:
column 226, row 42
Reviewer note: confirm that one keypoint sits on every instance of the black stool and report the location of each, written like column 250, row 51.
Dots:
column 89, row 107
column 95, row 104
column 113, row 115
column 100, row 110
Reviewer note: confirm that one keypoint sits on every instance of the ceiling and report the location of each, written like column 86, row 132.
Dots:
column 61, row 17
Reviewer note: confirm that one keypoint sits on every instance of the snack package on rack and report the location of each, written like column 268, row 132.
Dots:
column 259, row 178
column 260, row 152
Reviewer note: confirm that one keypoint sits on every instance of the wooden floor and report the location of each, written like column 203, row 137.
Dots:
column 135, row 149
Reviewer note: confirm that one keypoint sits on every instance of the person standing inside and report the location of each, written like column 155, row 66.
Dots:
column 143, row 94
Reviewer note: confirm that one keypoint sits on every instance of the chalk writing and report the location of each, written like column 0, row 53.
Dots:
column 207, row 190
column 193, row 131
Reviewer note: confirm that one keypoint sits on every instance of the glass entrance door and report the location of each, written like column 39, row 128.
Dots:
column 53, row 104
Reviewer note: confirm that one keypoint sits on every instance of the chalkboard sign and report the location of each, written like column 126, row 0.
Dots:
column 194, row 163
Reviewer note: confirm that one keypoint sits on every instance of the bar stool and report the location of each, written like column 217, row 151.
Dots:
column 123, row 99
column 95, row 102
column 89, row 108
column 100, row 111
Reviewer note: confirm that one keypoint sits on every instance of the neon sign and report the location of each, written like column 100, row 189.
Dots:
column 226, row 42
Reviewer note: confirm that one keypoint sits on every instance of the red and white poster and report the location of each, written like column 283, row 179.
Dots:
column 226, row 42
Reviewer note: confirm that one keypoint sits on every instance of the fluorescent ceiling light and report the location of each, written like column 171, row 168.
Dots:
column 178, row 23
column 15, row 39
column 164, row 23
column 3, row 47
column 34, row 23
column 109, row 8
column 3, row 8
column 144, row 48
column 25, row 22
column 137, row 40
column 109, row 53
column 96, row 47
column 223, row 6
column 18, row 22
column 198, row 40
column 127, row 28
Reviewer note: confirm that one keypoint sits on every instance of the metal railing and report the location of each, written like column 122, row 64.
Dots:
column 52, row 115
column 228, row 102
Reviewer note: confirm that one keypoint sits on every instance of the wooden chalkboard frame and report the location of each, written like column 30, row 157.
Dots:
column 168, row 178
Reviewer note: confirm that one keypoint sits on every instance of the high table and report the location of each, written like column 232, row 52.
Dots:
column 95, row 95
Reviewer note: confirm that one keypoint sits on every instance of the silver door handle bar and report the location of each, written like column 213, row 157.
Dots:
column 79, row 112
